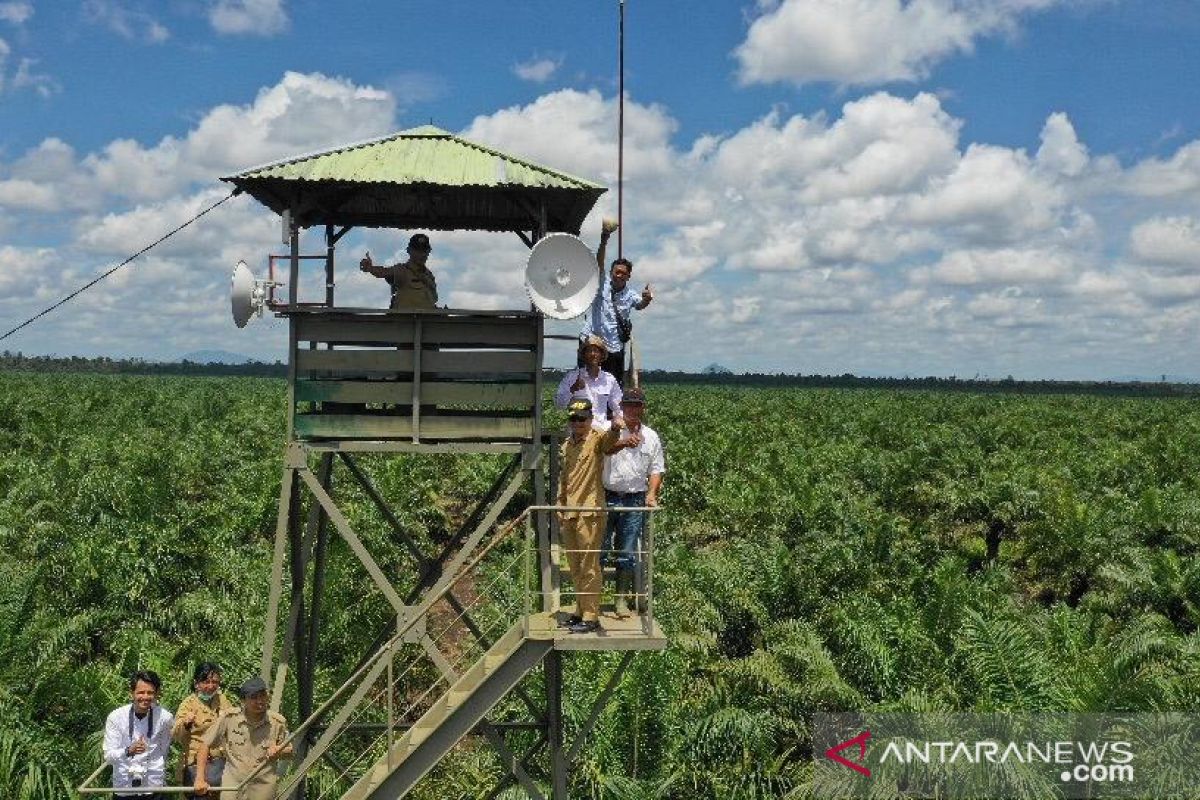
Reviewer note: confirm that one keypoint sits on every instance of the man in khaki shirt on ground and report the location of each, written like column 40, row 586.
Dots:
column 251, row 735
column 580, row 485
column 197, row 713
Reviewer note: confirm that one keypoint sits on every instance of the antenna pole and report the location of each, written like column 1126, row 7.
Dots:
column 621, row 131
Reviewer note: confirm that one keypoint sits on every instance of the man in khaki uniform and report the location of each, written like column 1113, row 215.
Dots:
column 197, row 713
column 580, row 485
column 413, row 284
column 251, row 735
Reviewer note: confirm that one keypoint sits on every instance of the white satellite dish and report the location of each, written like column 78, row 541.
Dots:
column 561, row 276
column 247, row 295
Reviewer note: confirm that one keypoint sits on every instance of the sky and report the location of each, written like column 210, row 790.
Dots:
column 880, row 187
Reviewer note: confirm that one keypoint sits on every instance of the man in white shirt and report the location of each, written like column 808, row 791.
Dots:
column 593, row 383
column 633, row 474
column 137, row 737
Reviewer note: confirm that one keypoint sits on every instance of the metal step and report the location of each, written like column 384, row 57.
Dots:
column 452, row 717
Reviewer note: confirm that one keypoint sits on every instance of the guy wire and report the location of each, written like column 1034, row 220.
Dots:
column 94, row 281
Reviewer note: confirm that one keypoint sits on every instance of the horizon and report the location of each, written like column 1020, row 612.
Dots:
column 714, row 371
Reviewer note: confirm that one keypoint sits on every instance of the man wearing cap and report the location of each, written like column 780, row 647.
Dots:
column 610, row 316
column 592, row 382
column 253, row 738
column 582, row 460
column 413, row 285
column 633, row 474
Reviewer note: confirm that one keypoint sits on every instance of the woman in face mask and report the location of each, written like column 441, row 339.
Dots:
column 196, row 713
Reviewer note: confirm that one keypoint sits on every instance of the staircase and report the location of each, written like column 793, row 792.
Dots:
column 454, row 714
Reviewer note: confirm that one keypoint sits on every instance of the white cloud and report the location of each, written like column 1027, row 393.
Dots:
column 1178, row 175
column 20, row 268
column 1168, row 242
column 992, row 195
column 1004, row 267
column 27, row 195
column 129, row 23
column 863, row 42
column 16, row 13
column 39, row 82
column 1009, row 308
column 254, row 17
column 537, row 70
column 302, row 113
column 1061, row 150
column 576, row 132
column 24, row 77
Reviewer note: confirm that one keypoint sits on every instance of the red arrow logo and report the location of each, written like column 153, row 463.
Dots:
column 835, row 753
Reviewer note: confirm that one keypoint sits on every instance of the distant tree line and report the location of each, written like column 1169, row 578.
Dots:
column 135, row 366
column 139, row 366
column 930, row 382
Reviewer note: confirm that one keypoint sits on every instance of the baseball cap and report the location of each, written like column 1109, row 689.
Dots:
column 252, row 686
column 419, row 241
column 579, row 409
column 634, row 396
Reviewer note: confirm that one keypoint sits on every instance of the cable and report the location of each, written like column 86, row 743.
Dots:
column 92, row 283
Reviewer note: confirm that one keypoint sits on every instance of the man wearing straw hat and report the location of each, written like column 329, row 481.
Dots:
column 253, row 738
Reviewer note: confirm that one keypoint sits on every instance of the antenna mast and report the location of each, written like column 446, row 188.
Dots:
column 621, row 131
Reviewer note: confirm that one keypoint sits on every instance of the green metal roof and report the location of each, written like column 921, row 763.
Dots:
column 421, row 178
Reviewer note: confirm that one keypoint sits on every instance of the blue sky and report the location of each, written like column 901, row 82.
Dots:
column 941, row 187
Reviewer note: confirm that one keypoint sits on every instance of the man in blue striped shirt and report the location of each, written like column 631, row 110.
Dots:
column 612, row 309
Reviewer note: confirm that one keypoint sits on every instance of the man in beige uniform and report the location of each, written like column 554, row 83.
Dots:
column 197, row 713
column 251, row 735
column 413, row 285
column 580, row 485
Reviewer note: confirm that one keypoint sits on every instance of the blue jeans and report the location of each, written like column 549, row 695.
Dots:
column 624, row 534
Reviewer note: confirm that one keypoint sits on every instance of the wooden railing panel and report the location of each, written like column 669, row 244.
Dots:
column 476, row 395
column 361, row 426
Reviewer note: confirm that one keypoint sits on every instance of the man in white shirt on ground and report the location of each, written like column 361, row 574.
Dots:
column 594, row 383
column 633, row 474
column 137, row 738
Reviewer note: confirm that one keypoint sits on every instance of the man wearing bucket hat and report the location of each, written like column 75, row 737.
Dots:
column 253, row 738
column 592, row 382
column 633, row 474
column 582, row 460
column 413, row 285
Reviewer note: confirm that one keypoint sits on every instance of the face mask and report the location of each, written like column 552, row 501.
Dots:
column 206, row 696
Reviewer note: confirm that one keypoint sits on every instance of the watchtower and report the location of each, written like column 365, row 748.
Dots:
column 367, row 386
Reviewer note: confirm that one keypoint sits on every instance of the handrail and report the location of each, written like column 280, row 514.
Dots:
column 414, row 614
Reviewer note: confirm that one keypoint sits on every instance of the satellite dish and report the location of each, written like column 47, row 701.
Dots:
column 247, row 295
column 561, row 276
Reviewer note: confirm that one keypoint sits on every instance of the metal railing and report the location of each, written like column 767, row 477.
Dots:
column 379, row 678
column 643, row 593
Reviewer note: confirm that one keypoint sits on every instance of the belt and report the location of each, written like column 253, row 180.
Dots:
column 625, row 494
